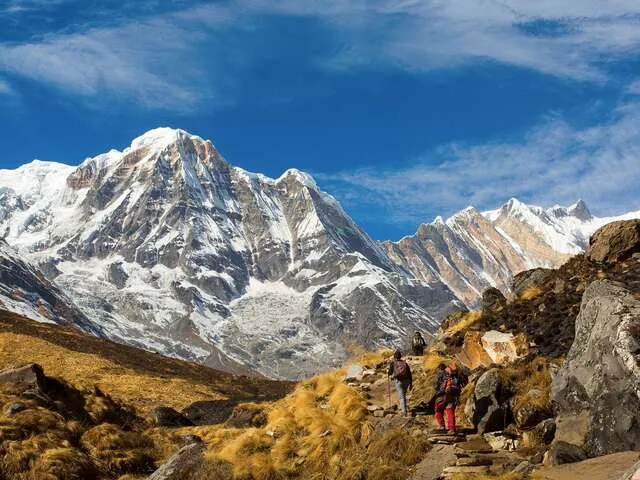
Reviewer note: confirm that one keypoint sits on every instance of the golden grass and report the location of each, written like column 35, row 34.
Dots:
column 117, row 452
column 524, row 377
column 63, row 464
column 531, row 293
column 468, row 319
column 85, row 370
column 358, row 354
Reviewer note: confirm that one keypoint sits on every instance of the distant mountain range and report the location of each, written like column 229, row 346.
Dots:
column 168, row 247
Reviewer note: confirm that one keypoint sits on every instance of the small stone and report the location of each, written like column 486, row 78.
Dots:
column 523, row 468
column 379, row 413
column 373, row 408
column 16, row 407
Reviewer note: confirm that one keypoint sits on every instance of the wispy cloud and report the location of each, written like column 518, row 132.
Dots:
column 5, row 88
column 554, row 163
column 187, row 57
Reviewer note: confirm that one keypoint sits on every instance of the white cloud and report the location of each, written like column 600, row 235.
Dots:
column 634, row 88
column 155, row 63
column 555, row 163
column 432, row 34
column 178, row 60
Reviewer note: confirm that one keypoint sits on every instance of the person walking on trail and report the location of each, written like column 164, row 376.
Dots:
column 418, row 344
column 447, row 393
column 399, row 371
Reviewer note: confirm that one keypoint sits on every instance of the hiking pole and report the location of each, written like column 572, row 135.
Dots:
column 388, row 392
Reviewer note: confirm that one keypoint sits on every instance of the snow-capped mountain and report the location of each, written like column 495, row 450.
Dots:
column 167, row 246
column 472, row 251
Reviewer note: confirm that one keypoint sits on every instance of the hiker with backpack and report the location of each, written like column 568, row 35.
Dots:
column 418, row 344
column 447, row 392
column 399, row 370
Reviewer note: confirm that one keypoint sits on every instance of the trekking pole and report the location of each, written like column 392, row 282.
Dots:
column 388, row 392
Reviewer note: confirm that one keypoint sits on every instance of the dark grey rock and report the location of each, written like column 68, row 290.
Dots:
column 168, row 417
column 563, row 452
column 493, row 300
column 15, row 407
column 209, row 412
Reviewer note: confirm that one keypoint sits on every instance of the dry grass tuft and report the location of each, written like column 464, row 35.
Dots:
column 523, row 377
column 117, row 452
column 531, row 293
column 468, row 319
column 63, row 464
column 476, row 476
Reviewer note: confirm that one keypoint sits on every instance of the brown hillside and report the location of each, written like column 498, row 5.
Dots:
column 131, row 375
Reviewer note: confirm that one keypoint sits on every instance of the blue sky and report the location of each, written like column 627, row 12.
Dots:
column 402, row 109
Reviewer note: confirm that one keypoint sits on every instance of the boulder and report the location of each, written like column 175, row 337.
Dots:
column 209, row 412
column 168, row 417
column 542, row 434
column 180, row 464
column 493, row 300
column 596, row 393
column 472, row 354
column 504, row 347
column 615, row 242
column 532, row 410
column 489, row 413
column 564, row 452
column 28, row 380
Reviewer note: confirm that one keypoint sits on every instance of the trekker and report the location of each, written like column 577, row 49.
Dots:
column 418, row 344
column 399, row 370
column 447, row 393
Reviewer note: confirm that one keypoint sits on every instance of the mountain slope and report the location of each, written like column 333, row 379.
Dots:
column 472, row 251
column 167, row 246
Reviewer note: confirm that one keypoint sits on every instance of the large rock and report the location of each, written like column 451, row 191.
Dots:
column 505, row 347
column 614, row 242
column 472, row 354
column 28, row 380
column 168, row 417
column 493, row 300
column 180, row 464
column 489, row 413
column 532, row 410
column 596, row 393
column 564, row 452
column 209, row 412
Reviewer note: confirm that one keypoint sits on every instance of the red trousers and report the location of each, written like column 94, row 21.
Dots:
column 441, row 407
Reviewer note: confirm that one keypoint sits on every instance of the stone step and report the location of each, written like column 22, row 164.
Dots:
column 474, row 461
column 447, row 439
column 482, row 470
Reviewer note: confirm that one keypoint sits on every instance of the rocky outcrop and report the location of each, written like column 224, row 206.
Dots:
column 615, row 242
column 505, row 347
column 472, row 354
column 209, row 412
column 180, row 464
column 487, row 409
column 493, row 300
column 528, row 279
column 168, row 417
column 596, row 393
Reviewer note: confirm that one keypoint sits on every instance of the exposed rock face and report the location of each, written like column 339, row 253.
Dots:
column 504, row 347
column 492, row 347
column 615, row 242
column 529, row 278
column 24, row 289
column 596, row 393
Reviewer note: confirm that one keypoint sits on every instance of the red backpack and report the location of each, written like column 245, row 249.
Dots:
column 400, row 369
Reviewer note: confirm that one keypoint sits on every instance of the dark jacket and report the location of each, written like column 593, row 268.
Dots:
column 408, row 380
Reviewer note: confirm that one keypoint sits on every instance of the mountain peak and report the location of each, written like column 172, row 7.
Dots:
column 302, row 177
column 580, row 211
column 160, row 137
